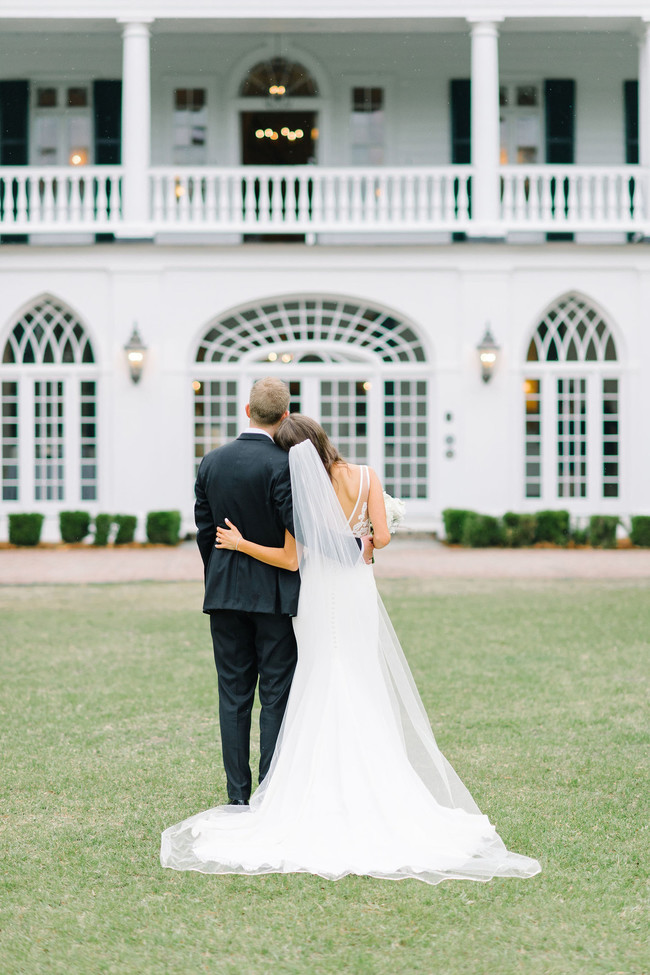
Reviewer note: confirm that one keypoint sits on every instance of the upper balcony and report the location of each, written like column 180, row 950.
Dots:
column 421, row 129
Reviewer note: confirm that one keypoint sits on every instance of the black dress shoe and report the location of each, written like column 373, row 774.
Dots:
column 238, row 802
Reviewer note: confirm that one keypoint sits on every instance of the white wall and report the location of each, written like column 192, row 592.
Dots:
column 450, row 293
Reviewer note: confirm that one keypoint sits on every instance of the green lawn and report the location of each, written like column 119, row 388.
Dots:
column 109, row 734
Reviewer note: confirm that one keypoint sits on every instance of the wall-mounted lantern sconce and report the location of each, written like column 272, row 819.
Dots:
column 487, row 352
column 135, row 351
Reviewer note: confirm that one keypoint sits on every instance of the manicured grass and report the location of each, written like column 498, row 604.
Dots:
column 536, row 693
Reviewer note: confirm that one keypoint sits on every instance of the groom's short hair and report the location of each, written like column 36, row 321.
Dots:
column 269, row 401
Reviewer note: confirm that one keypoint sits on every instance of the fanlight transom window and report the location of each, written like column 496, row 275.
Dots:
column 350, row 331
column 280, row 78
column 48, row 333
column 572, row 331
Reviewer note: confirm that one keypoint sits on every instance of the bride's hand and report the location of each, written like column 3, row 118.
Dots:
column 228, row 537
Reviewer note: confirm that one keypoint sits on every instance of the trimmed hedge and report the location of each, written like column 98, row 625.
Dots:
column 602, row 531
column 125, row 528
column 482, row 531
column 552, row 526
column 103, row 525
column 163, row 527
column 518, row 529
column 25, row 529
column 74, row 525
column 454, row 522
column 640, row 531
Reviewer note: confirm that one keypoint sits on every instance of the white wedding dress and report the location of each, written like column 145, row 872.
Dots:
column 357, row 784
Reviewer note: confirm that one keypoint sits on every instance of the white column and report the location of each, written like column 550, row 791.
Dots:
column 136, row 127
column 485, row 129
column 644, row 94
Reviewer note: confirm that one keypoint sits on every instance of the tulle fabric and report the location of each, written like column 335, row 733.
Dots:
column 357, row 784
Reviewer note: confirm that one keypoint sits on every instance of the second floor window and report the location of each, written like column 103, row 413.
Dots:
column 521, row 124
column 367, row 135
column 190, row 127
column 62, row 125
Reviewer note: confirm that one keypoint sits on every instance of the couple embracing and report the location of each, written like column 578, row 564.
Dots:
column 351, row 778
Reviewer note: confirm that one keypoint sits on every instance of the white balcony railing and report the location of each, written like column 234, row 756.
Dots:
column 573, row 198
column 59, row 199
column 311, row 199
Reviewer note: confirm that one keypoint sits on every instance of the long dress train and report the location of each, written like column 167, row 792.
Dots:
column 357, row 784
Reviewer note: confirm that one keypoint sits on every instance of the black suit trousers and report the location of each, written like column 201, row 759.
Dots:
column 245, row 645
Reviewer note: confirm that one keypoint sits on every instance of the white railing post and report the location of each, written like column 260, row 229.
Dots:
column 644, row 119
column 485, row 130
column 136, row 127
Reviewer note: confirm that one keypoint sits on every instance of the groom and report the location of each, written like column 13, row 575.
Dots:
column 250, row 603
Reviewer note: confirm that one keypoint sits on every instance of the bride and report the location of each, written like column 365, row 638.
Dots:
column 357, row 784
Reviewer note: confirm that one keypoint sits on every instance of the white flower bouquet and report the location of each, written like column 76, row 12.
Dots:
column 395, row 510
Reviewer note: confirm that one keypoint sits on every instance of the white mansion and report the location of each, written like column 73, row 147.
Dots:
column 360, row 196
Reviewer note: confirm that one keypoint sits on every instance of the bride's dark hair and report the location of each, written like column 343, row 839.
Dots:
column 296, row 428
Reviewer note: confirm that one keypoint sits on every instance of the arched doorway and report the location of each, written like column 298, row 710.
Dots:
column 49, row 408
column 572, row 407
column 361, row 371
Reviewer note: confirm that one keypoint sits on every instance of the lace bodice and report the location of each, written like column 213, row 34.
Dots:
column 359, row 521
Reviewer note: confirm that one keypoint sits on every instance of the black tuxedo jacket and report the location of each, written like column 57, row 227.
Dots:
column 248, row 482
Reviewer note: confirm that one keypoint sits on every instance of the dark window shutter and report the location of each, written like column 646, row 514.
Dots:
column 461, row 120
column 107, row 99
column 631, row 97
column 14, row 108
column 560, row 101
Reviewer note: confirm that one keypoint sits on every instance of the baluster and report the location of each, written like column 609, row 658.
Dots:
column 330, row 200
column 382, row 198
column 209, row 214
column 615, row 209
column 408, row 215
column 507, row 198
column 62, row 183
column 317, row 184
column 570, row 192
column 598, row 197
column 102, row 198
column 22, row 215
column 75, row 197
column 302, row 199
column 87, row 198
column 264, row 198
column 463, row 197
column 115, row 184
column 547, row 198
column 369, row 186
column 225, row 201
column 48, row 199
column 158, row 198
column 353, row 200
column 249, row 207
column 519, row 198
column 277, row 212
column 182, row 192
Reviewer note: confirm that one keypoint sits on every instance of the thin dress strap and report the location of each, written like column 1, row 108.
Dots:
column 362, row 478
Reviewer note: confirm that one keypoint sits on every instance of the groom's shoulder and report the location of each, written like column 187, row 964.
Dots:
column 258, row 448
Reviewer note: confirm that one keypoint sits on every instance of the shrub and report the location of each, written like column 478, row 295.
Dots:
column 125, row 528
column 103, row 525
column 518, row 530
column 552, row 526
column 25, row 529
column 454, row 522
column 640, row 533
column 580, row 536
column 163, row 527
column 74, row 525
column 482, row 531
column 602, row 531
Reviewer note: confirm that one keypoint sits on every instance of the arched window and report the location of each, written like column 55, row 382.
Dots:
column 49, row 407
column 359, row 370
column 571, row 394
column 278, row 78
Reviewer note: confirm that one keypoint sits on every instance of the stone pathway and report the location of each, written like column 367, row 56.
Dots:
column 405, row 558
